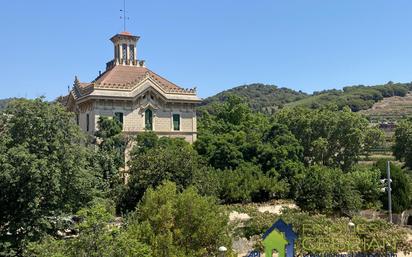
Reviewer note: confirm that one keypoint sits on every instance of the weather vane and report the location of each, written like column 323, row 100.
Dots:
column 124, row 17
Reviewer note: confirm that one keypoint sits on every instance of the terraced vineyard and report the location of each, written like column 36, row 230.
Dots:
column 390, row 109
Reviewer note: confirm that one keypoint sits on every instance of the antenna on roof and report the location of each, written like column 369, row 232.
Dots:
column 124, row 17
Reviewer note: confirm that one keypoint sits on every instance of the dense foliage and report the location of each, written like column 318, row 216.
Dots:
column 95, row 238
column 180, row 224
column 241, row 156
column 109, row 157
column 50, row 171
column 260, row 97
column 329, row 190
column 5, row 102
column 331, row 137
column 401, row 187
column 269, row 99
column 355, row 97
column 165, row 223
column 403, row 142
column 258, row 158
column 154, row 160
column 44, row 171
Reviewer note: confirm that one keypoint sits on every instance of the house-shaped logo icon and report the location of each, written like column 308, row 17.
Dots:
column 280, row 237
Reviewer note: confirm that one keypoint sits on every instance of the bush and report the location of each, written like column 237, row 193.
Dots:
column 179, row 224
column 366, row 182
column 401, row 187
column 328, row 190
column 248, row 183
column 165, row 159
column 96, row 238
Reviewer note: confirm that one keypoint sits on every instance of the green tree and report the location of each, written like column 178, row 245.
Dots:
column 260, row 97
column 170, row 159
column 357, row 98
column 403, row 142
column 144, row 142
column 231, row 135
column 249, row 152
column 278, row 146
column 179, row 224
column 367, row 182
column 328, row 136
column 401, row 187
column 110, row 155
column 373, row 138
column 328, row 190
column 316, row 192
column 248, row 183
column 44, row 171
column 96, row 237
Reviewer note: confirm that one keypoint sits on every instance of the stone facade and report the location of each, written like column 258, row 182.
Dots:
column 138, row 97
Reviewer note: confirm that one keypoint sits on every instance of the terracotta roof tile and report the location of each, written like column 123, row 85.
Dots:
column 126, row 77
column 123, row 77
column 125, row 33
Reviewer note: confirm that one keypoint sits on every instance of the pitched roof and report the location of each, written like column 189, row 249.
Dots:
column 124, row 77
column 127, row 76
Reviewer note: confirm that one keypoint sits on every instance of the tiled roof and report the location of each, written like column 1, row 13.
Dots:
column 125, row 33
column 124, row 77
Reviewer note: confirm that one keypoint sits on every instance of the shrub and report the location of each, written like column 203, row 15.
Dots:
column 328, row 190
column 366, row 182
column 248, row 183
column 95, row 239
column 179, row 224
column 166, row 159
column 401, row 187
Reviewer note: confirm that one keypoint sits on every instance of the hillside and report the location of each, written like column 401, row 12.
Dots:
column 390, row 109
column 4, row 102
column 356, row 97
column 269, row 98
column 261, row 97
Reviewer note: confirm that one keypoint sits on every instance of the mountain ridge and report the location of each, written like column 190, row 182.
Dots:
column 269, row 98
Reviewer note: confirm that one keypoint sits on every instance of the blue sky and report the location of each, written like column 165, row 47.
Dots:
column 306, row 45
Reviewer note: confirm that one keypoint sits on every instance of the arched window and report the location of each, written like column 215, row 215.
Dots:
column 148, row 119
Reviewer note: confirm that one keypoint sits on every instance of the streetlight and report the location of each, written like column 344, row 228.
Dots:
column 222, row 250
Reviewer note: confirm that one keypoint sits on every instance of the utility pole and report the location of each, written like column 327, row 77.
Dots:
column 389, row 181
